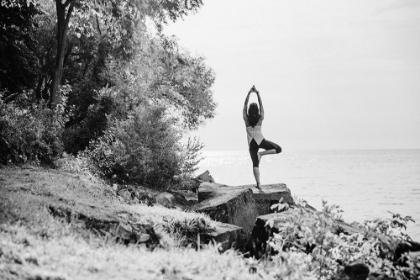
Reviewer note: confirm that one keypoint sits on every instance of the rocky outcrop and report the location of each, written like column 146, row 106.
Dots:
column 227, row 236
column 270, row 194
column 264, row 198
column 228, row 205
column 117, row 227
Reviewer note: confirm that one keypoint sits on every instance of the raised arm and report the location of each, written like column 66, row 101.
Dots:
column 261, row 105
column 244, row 113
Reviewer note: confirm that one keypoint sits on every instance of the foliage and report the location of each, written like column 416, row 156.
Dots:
column 18, row 64
column 190, row 156
column 119, row 73
column 30, row 131
column 183, row 82
column 309, row 236
column 143, row 148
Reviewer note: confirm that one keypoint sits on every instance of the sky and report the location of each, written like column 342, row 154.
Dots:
column 332, row 74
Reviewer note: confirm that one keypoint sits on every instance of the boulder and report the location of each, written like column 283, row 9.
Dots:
column 357, row 271
column 119, row 226
column 227, row 235
column 125, row 194
column 205, row 177
column 210, row 190
column 226, row 205
column 170, row 199
column 270, row 194
column 123, row 231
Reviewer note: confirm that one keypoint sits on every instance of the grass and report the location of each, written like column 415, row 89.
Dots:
column 65, row 255
column 34, row 244
column 37, row 244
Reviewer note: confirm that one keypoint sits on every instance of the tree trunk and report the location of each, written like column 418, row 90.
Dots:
column 63, row 19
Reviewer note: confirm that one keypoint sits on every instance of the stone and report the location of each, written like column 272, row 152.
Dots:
column 209, row 190
column 124, row 231
column 270, row 194
column 228, row 205
column 126, row 194
column 145, row 234
column 227, row 235
column 408, row 246
column 205, row 177
column 357, row 271
column 143, row 238
column 259, row 236
column 171, row 199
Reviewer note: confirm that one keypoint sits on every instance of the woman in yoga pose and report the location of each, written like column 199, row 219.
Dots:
column 253, row 121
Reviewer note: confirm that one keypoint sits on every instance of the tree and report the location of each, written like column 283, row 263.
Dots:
column 64, row 13
column 114, row 16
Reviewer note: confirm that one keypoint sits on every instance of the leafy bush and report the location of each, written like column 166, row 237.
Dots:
column 30, row 131
column 144, row 148
column 308, row 246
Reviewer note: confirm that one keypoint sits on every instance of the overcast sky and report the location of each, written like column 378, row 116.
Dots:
column 332, row 74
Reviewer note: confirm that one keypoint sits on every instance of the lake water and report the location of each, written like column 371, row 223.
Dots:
column 366, row 184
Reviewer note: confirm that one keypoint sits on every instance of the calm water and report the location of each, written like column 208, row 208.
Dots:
column 366, row 184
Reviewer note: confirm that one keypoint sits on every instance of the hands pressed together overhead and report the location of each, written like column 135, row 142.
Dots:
column 253, row 89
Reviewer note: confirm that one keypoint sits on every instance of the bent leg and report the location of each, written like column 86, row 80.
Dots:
column 269, row 147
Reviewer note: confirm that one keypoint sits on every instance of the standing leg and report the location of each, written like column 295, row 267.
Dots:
column 255, row 164
column 257, row 175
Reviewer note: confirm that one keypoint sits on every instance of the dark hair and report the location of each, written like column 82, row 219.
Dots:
column 253, row 114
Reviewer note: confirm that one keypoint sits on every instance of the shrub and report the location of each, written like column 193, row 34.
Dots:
column 308, row 236
column 30, row 131
column 144, row 148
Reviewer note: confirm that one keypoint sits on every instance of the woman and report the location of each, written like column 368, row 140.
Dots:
column 253, row 121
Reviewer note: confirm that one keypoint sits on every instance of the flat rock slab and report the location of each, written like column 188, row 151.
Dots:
column 228, row 236
column 229, row 206
column 270, row 194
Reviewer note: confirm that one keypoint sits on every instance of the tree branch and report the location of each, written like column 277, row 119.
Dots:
column 97, row 25
column 66, row 3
